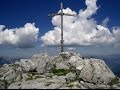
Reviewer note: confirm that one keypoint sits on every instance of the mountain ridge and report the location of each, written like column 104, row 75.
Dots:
column 68, row 70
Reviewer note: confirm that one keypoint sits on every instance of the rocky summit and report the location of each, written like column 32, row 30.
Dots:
column 68, row 70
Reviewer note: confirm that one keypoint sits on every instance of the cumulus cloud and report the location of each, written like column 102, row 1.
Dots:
column 91, row 9
column 82, row 29
column 24, row 37
column 2, row 28
column 105, row 21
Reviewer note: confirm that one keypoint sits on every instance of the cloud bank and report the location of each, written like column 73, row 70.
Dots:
column 82, row 29
column 24, row 37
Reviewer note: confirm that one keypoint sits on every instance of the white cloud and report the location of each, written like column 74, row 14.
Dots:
column 82, row 30
column 24, row 37
column 91, row 9
column 105, row 21
column 71, row 48
column 1, row 28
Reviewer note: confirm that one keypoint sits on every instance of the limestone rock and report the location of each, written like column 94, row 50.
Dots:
column 41, row 83
column 36, row 73
column 42, row 63
column 96, row 71
column 27, row 64
column 70, row 77
column 76, row 62
column 61, row 66
column 74, row 85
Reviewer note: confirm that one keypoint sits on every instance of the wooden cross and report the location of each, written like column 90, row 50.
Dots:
column 61, row 14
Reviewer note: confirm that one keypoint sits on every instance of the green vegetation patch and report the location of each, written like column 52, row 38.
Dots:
column 4, row 84
column 114, row 81
column 30, row 77
column 60, row 72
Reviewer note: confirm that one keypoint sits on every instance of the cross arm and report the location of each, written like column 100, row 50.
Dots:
column 54, row 14
column 69, row 14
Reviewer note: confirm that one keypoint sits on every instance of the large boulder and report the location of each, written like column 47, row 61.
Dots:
column 77, row 62
column 96, row 71
column 61, row 66
column 27, row 64
column 42, row 63
column 91, row 70
column 39, row 63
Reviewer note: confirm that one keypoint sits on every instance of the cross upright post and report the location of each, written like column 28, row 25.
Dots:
column 62, row 41
column 61, row 14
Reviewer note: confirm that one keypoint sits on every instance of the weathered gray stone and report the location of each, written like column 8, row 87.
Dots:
column 86, row 72
column 49, row 74
column 115, row 87
column 77, row 62
column 54, row 86
column 90, row 85
column 61, row 66
column 25, row 76
column 27, row 64
column 96, row 71
column 9, row 75
column 42, row 63
column 70, row 77
column 82, row 87
column 60, row 79
column 103, row 87
column 65, row 87
column 41, row 83
column 74, row 85
column 16, row 85
column 36, row 73
column 31, row 84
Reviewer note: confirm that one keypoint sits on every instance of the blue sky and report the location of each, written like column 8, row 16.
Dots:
column 16, row 13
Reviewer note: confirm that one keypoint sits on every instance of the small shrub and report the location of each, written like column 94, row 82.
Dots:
column 1, row 75
column 30, row 77
column 64, row 56
column 70, row 85
column 114, row 81
column 4, row 83
column 60, row 72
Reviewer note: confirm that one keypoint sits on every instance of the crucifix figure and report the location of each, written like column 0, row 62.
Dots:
column 61, row 14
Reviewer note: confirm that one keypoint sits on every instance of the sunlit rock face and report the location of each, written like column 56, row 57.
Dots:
column 67, row 70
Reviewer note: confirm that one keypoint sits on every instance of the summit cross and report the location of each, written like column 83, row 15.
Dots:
column 61, row 14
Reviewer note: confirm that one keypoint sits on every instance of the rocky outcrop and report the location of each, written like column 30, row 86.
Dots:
column 40, row 83
column 92, row 70
column 40, row 63
column 66, row 71
column 96, row 71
